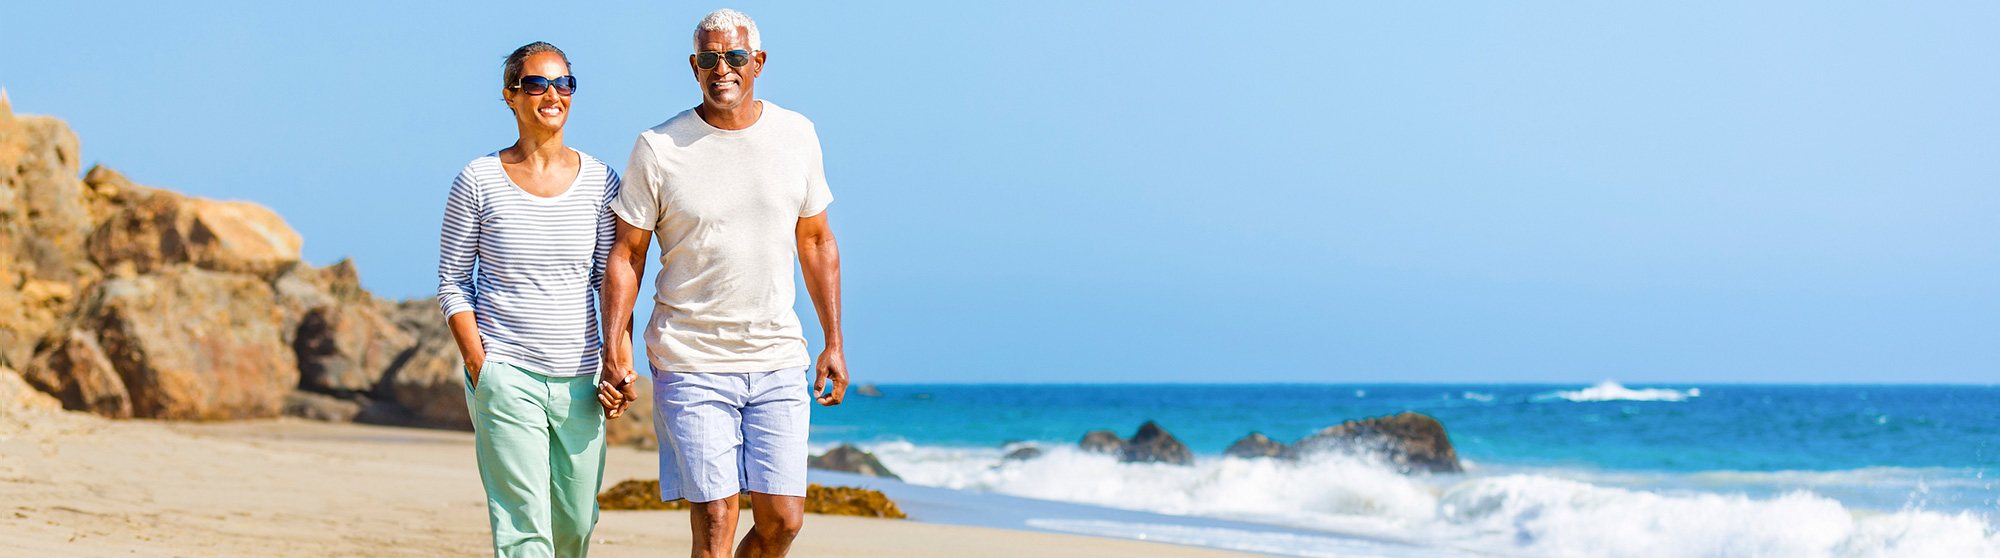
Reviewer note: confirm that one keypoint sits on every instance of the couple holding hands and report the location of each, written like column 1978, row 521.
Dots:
column 542, row 244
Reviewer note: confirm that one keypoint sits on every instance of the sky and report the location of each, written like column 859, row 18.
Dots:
column 1056, row 192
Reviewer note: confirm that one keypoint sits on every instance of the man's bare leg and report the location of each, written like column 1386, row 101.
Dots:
column 714, row 526
column 776, row 522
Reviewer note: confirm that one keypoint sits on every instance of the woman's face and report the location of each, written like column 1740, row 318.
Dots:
column 550, row 109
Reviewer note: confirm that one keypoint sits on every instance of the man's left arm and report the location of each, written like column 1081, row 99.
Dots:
column 819, row 259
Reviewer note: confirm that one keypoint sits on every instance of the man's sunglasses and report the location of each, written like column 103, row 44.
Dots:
column 536, row 85
column 707, row 60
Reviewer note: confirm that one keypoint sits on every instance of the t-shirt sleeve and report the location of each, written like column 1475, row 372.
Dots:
column 638, row 201
column 817, row 193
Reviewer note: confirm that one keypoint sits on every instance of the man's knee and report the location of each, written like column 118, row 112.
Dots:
column 781, row 526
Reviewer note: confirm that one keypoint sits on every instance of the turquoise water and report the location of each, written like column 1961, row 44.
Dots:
column 1552, row 470
column 1748, row 428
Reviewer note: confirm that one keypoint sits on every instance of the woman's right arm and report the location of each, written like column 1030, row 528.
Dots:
column 458, row 252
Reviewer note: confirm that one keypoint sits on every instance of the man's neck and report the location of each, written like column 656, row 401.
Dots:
column 743, row 116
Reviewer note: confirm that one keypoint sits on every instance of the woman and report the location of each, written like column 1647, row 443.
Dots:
column 526, row 231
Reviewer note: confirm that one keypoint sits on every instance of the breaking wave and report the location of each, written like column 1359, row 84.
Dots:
column 1550, row 512
column 1611, row 391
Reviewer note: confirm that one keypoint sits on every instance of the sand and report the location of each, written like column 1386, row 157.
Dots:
column 76, row 485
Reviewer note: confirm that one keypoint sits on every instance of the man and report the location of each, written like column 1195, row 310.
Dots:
column 734, row 189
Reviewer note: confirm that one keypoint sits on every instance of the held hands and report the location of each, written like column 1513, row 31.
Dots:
column 832, row 366
column 616, row 389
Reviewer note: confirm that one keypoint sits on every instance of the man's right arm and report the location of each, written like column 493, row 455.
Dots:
column 622, row 269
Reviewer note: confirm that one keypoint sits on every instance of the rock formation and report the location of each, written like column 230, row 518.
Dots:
column 1152, row 444
column 850, row 459
column 1411, row 441
column 1255, row 445
column 128, row 301
column 1101, row 441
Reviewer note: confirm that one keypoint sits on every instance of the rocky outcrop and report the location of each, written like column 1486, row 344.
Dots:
column 1152, row 444
column 1101, row 441
column 1411, row 441
column 1255, row 445
column 868, row 390
column 44, row 219
column 129, row 301
column 850, row 459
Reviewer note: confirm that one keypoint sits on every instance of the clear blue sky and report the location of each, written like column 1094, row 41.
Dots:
column 1183, row 192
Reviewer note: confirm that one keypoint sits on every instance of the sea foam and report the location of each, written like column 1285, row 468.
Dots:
column 1540, row 513
column 1611, row 391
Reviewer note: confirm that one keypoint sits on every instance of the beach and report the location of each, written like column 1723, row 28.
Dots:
column 77, row 485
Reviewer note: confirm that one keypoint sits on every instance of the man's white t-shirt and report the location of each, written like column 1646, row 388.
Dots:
column 725, row 206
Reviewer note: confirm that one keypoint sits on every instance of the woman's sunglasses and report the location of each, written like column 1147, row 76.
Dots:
column 536, row 85
column 707, row 60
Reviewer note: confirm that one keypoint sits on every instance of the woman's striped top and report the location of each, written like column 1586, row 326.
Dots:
column 528, row 267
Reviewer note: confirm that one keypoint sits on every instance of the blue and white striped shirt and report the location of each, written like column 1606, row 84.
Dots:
column 528, row 267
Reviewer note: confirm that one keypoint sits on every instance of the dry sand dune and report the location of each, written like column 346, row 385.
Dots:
column 76, row 485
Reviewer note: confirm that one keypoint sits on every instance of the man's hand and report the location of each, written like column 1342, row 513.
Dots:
column 832, row 366
column 616, row 388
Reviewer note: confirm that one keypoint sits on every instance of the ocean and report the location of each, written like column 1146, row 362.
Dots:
column 1654, row 471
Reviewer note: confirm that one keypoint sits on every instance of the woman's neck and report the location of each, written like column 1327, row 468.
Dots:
column 539, row 150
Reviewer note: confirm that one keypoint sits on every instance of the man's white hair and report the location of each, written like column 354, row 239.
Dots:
column 728, row 20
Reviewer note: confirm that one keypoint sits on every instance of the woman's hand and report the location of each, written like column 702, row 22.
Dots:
column 616, row 389
column 471, row 347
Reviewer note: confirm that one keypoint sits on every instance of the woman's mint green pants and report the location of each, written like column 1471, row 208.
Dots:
column 541, row 456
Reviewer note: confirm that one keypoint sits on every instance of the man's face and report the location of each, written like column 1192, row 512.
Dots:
column 726, row 87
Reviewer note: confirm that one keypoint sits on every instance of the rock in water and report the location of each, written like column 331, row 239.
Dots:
column 1153, row 444
column 850, row 459
column 1255, row 445
column 1101, row 441
column 1411, row 441
column 1023, row 454
column 868, row 390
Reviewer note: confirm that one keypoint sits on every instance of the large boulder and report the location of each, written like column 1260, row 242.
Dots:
column 850, row 459
column 1411, row 441
column 429, row 379
column 1255, row 445
column 168, row 229
column 193, row 344
column 1152, row 444
column 73, row 367
column 347, row 347
column 44, row 220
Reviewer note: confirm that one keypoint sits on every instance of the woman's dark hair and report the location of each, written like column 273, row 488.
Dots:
column 511, row 73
